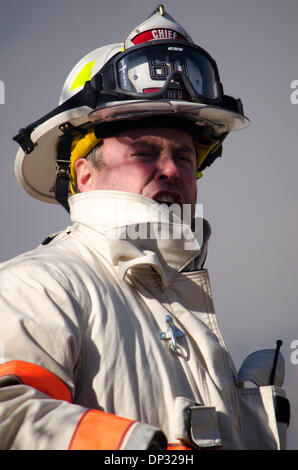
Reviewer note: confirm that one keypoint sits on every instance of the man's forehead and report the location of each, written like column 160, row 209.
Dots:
column 155, row 136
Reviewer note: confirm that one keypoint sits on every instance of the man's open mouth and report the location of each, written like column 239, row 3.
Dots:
column 168, row 198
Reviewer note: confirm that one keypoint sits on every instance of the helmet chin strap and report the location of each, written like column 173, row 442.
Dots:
column 63, row 169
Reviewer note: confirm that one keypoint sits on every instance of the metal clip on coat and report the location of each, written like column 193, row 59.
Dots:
column 171, row 334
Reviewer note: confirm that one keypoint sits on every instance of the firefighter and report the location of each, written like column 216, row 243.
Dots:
column 110, row 339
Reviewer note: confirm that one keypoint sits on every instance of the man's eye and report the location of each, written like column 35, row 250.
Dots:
column 143, row 154
column 181, row 157
column 185, row 158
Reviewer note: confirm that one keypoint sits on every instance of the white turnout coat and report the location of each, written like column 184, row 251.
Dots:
column 106, row 339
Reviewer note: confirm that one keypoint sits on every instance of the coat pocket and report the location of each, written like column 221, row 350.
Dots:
column 265, row 415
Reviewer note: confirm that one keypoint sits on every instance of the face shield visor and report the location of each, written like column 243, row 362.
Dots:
column 161, row 70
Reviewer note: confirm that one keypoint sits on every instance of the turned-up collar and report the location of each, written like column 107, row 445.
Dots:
column 131, row 230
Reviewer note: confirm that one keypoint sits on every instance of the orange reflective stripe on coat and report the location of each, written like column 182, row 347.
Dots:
column 37, row 377
column 98, row 430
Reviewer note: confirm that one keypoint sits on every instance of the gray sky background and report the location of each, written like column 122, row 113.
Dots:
column 249, row 195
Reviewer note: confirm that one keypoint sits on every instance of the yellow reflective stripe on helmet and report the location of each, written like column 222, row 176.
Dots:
column 81, row 146
column 83, row 76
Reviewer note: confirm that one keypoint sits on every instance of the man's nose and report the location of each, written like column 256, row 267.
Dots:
column 167, row 168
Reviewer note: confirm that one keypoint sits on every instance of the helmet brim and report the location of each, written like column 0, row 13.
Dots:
column 36, row 172
column 221, row 120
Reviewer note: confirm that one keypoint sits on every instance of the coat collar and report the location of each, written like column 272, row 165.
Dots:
column 136, row 231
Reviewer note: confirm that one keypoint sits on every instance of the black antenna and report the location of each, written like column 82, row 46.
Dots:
column 273, row 371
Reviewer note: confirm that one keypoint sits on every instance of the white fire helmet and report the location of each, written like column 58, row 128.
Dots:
column 157, row 76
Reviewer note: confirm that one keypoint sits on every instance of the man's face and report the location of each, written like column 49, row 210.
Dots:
column 157, row 163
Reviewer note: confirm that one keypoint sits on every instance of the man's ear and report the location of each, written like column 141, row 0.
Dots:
column 84, row 170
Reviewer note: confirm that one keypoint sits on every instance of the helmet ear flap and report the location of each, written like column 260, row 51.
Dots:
column 215, row 153
column 211, row 157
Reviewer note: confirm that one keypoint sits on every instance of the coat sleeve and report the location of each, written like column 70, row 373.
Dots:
column 40, row 345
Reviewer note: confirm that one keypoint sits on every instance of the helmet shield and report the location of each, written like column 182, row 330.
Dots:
column 149, row 70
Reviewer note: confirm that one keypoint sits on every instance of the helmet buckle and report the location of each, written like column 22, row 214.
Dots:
column 62, row 168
